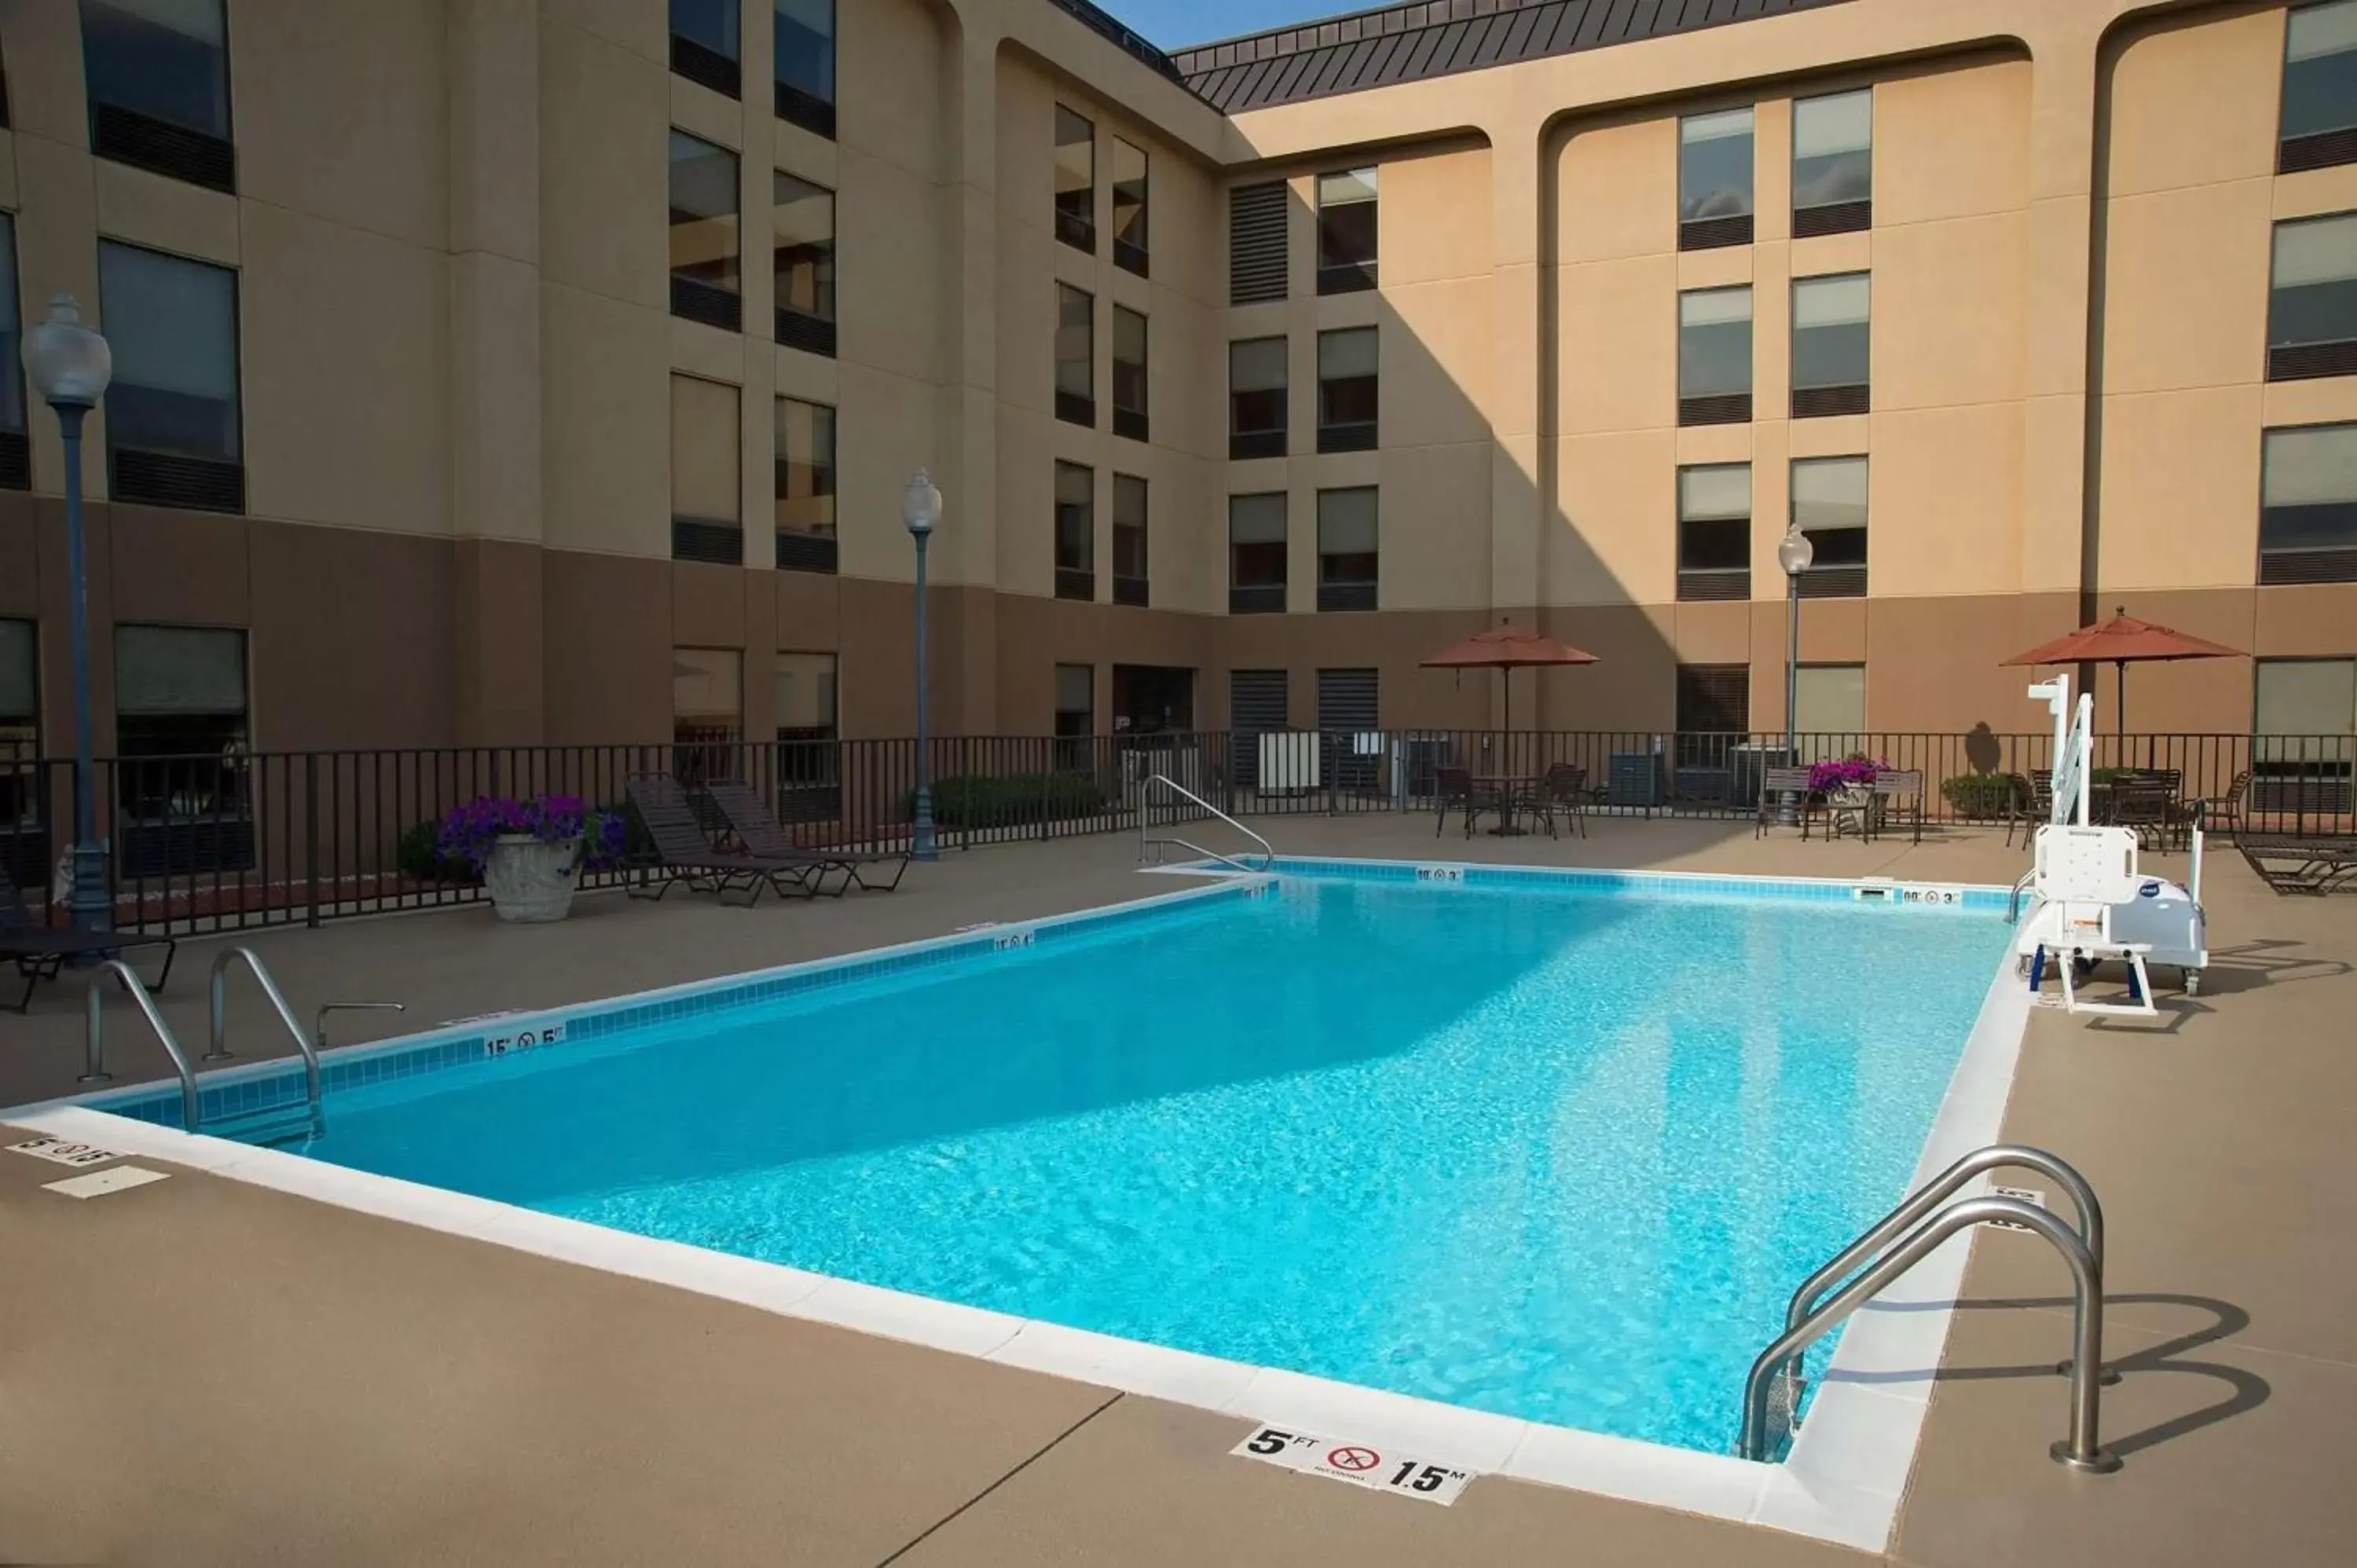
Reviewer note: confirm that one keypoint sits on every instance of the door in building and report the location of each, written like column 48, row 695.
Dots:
column 1152, row 699
column 1347, row 710
column 1256, row 705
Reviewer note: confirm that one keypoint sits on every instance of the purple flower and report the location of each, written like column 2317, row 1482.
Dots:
column 469, row 831
column 1842, row 775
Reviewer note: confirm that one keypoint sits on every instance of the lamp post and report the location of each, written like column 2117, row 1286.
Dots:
column 68, row 366
column 921, row 511
column 1793, row 554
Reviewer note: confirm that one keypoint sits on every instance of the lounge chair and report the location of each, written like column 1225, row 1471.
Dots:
column 759, row 833
column 683, row 855
column 41, row 952
column 2292, row 864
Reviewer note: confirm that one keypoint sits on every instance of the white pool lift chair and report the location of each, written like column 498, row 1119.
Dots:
column 2083, row 875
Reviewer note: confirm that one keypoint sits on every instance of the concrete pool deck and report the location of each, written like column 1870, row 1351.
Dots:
column 202, row 1370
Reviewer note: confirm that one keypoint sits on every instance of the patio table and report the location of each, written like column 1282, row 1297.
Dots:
column 1513, row 793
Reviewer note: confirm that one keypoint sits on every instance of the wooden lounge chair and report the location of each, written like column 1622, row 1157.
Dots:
column 759, row 833
column 42, row 951
column 2292, row 864
column 683, row 855
column 1900, row 793
column 1563, row 790
column 1775, row 783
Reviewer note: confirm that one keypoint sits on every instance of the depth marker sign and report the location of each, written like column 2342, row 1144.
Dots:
column 1360, row 1463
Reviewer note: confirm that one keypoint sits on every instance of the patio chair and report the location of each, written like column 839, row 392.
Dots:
column 683, row 855
column 1564, row 789
column 42, row 951
column 2142, row 801
column 2033, row 805
column 1775, row 783
column 2223, row 813
column 759, row 831
column 1900, row 792
column 1458, row 789
column 2293, row 864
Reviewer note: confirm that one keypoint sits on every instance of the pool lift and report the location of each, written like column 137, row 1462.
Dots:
column 2089, row 900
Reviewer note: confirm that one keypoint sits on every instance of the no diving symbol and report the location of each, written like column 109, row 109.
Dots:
column 1354, row 1459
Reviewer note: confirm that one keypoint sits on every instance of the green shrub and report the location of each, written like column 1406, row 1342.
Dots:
column 994, row 800
column 1979, row 795
column 419, row 856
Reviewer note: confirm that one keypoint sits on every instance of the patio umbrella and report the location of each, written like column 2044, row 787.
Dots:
column 2121, row 642
column 1506, row 650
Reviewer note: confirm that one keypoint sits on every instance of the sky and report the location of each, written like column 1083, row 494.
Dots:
column 1170, row 23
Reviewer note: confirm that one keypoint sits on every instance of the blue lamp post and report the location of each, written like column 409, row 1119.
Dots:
column 1795, row 554
column 921, row 511
column 68, row 366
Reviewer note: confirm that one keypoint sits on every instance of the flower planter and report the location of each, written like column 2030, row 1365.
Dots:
column 532, row 879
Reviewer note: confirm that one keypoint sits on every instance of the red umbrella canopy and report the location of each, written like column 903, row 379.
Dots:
column 2123, row 639
column 1507, row 649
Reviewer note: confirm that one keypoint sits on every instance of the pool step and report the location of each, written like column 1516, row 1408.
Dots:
column 289, row 1123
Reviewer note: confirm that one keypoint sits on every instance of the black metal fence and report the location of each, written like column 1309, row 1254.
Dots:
column 217, row 843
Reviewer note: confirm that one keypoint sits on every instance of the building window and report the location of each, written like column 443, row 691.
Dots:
column 1350, row 706
column 1832, row 163
column 1829, row 708
column 2312, row 306
column 2308, row 511
column 705, row 524
column 1256, row 554
column 805, row 56
column 1076, row 356
column 2303, row 716
column 704, row 43
column 16, row 453
column 805, row 486
column 1715, row 180
column 157, row 79
column 180, row 727
column 810, row 770
column 1076, row 716
column 173, row 426
column 803, row 262
column 1257, row 260
column 705, row 283
column 707, row 704
column 1348, row 542
column 2319, row 88
column 1346, row 232
column 1714, row 716
column 1829, row 507
column 1256, row 395
column 1129, row 555
column 1076, row 181
column 1129, row 241
column 24, row 842
column 1831, row 346
column 1076, row 532
column 1714, row 356
column 1346, row 389
column 1715, row 531
column 1129, row 374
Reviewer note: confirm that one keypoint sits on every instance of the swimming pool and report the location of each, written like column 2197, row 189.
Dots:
column 1536, row 1147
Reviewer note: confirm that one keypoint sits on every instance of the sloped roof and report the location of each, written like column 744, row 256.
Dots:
column 1436, row 38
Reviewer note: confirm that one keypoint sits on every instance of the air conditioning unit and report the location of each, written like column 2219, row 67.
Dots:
column 1288, row 762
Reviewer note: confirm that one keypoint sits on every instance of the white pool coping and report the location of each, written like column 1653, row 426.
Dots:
column 1842, row 1480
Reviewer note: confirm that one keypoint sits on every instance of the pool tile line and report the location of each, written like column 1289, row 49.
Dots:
column 1974, row 896
column 266, row 1085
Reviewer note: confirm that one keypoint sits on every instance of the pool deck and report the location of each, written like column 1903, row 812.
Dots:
column 204, row 1372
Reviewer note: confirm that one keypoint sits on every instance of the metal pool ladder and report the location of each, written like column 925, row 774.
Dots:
column 1146, row 802
column 1771, row 1395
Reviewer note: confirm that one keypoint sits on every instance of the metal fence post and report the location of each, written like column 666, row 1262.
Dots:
column 311, row 833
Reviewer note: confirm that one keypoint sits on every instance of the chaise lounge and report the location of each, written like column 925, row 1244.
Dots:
column 759, row 831
column 683, row 855
column 41, row 952
column 2291, row 865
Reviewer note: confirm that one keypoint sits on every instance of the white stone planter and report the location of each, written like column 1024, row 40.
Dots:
column 531, row 880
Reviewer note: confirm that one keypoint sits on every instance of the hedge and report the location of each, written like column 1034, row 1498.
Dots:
column 1000, row 799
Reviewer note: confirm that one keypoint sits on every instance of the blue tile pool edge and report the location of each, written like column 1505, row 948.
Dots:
column 1842, row 1480
column 258, row 1086
column 1889, row 892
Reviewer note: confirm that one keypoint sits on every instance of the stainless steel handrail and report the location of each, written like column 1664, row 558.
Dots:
column 1144, row 800
column 320, row 1030
column 2013, row 903
column 94, row 1058
column 1911, row 1209
column 221, row 1052
column 2083, row 1449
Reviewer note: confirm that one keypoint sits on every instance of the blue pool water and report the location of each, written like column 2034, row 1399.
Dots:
column 1558, row 1155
